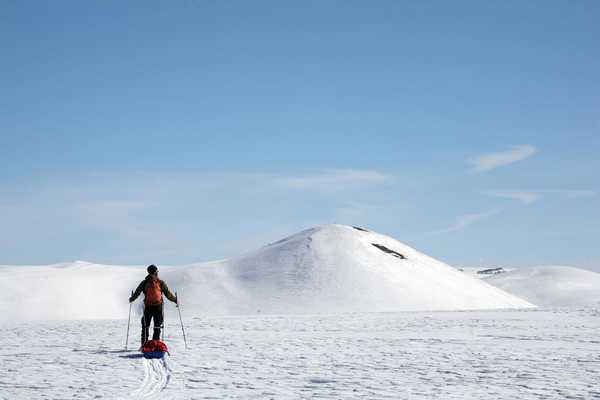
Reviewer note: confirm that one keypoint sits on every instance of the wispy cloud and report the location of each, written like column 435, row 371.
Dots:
column 464, row 221
column 338, row 179
column 529, row 197
column 490, row 161
column 171, row 218
column 578, row 194
column 523, row 197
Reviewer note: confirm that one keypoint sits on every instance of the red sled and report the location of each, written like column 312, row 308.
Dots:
column 154, row 349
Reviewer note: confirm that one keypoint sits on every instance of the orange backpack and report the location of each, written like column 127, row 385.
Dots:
column 153, row 293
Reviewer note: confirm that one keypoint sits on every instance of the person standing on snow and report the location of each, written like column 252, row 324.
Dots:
column 153, row 289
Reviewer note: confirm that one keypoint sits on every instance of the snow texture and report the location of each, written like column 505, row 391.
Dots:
column 510, row 354
column 328, row 269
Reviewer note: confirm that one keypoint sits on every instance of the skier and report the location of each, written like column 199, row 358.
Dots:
column 153, row 289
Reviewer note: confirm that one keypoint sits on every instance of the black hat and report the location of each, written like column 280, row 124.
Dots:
column 152, row 269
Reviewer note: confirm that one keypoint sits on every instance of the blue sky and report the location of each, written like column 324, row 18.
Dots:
column 154, row 132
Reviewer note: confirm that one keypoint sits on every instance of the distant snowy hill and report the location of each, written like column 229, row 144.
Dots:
column 335, row 268
column 328, row 269
column 78, row 290
column 551, row 286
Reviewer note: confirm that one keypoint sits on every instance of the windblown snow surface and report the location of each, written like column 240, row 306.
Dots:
column 328, row 269
column 510, row 354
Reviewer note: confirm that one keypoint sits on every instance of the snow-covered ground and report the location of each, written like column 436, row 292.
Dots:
column 525, row 354
column 545, row 286
column 328, row 269
column 320, row 314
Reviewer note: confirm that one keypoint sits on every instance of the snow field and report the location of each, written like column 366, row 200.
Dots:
column 527, row 354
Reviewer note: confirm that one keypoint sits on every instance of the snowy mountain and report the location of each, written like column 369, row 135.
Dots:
column 328, row 269
column 551, row 286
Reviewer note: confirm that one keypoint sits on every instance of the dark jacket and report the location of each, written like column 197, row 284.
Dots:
column 163, row 288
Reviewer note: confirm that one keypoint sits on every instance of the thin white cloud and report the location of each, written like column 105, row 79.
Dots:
column 529, row 197
column 464, row 221
column 165, row 218
column 523, row 197
column 336, row 180
column 488, row 162
column 579, row 194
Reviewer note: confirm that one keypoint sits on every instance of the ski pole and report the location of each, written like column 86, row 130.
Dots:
column 128, row 322
column 162, row 328
column 181, row 320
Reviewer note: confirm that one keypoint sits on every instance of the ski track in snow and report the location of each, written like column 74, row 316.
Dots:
column 157, row 375
column 527, row 354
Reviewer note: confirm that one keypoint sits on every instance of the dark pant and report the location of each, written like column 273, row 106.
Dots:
column 156, row 313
